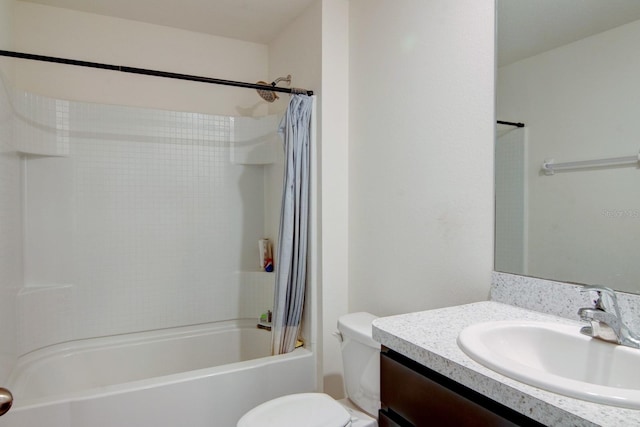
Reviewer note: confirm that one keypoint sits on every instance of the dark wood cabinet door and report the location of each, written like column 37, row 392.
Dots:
column 422, row 397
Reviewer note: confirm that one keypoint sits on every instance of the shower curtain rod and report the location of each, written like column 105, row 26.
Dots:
column 156, row 73
column 518, row 125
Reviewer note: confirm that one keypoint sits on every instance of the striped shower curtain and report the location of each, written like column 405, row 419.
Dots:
column 291, row 267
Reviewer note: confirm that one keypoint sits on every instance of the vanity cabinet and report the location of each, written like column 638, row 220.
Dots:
column 414, row 395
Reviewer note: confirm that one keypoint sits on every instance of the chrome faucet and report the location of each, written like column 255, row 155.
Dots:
column 604, row 318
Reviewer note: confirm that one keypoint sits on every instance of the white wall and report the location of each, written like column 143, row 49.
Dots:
column 335, row 184
column 580, row 102
column 420, row 153
column 77, row 35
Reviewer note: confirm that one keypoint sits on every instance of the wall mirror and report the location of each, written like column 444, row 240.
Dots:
column 570, row 71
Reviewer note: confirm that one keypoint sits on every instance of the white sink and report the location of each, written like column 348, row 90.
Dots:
column 556, row 357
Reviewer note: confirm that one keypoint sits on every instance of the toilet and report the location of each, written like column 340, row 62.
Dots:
column 360, row 356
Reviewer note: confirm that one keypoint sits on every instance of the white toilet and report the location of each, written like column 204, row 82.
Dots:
column 360, row 356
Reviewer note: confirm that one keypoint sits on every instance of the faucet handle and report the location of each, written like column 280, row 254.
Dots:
column 606, row 300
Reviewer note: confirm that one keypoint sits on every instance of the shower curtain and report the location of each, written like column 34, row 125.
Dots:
column 291, row 267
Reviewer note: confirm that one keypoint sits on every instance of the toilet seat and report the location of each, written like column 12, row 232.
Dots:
column 296, row 410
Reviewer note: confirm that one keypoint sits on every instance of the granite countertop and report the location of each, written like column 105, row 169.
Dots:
column 429, row 338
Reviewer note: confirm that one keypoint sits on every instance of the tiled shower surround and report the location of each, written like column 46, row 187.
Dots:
column 137, row 219
column 10, row 234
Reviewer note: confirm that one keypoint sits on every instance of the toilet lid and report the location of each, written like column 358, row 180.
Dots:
column 297, row 410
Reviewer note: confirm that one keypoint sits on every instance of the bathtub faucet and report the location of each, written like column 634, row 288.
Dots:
column 604, row 319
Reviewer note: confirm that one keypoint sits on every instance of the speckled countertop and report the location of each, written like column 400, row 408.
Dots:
column 429, row 337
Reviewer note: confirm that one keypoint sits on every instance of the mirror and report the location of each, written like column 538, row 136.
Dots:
column 570, row 71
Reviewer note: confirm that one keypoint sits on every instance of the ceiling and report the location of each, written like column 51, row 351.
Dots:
column 525, row 27
column 530, row 27
column 256, row 21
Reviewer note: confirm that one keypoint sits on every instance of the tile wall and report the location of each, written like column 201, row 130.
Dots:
column 10, row 233
column 137, row 219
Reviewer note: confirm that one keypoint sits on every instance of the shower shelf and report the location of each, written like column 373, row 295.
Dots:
column 39, row 153
column 259, row 273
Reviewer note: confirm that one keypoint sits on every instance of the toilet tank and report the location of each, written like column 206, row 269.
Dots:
column 361, row 361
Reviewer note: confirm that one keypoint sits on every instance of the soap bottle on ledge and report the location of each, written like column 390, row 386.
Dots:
column 265, row 249
column 265, row 321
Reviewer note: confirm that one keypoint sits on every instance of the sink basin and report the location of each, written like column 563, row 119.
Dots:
column 557, row 358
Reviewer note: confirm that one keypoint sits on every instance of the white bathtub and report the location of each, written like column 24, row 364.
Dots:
column 206, row 375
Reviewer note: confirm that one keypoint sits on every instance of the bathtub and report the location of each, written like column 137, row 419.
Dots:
column 205, row 375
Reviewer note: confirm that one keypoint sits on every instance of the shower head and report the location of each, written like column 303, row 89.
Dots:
column 269, row 95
